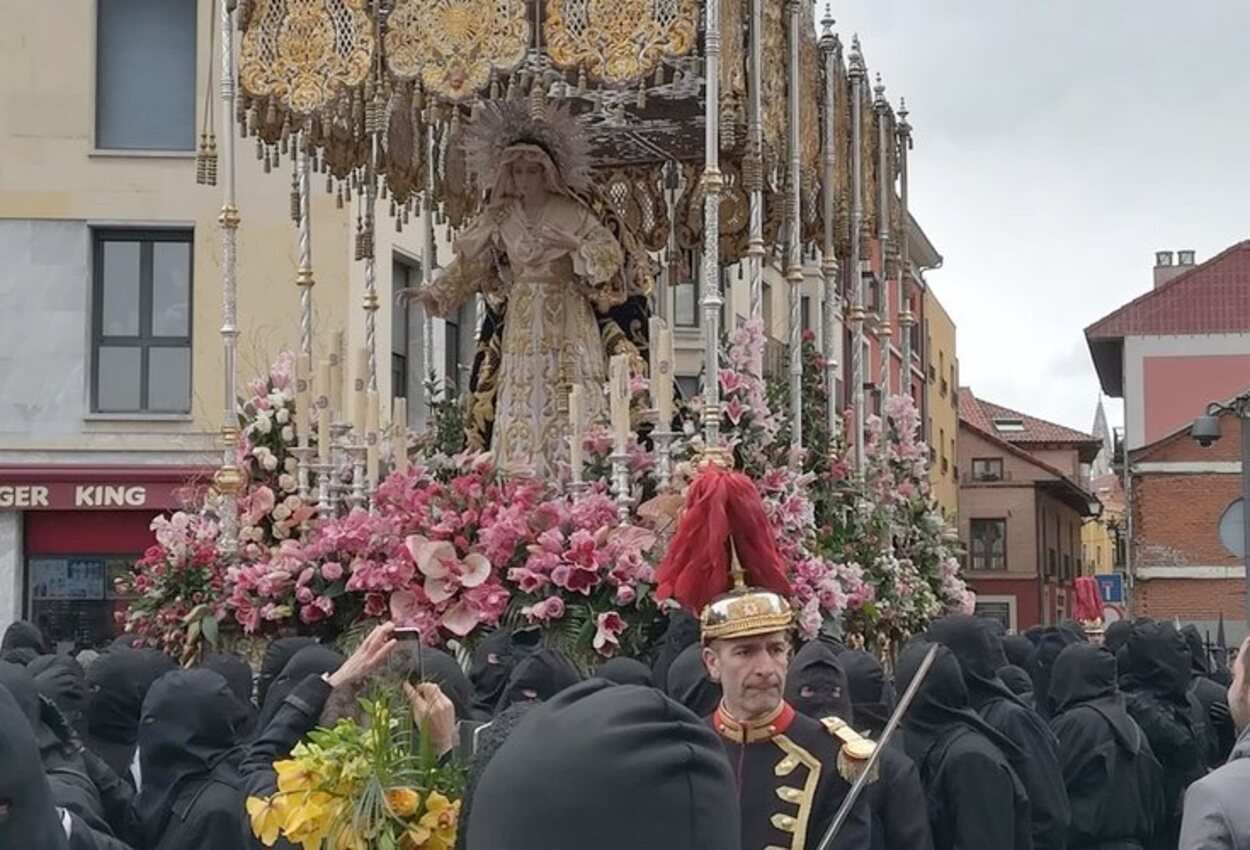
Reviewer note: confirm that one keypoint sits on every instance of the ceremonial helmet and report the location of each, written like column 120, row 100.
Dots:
column 723, row 563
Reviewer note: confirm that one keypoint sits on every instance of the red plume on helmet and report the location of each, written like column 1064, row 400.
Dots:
column 720, row 505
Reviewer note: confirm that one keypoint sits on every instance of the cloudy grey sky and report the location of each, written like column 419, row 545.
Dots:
column 1059, row 144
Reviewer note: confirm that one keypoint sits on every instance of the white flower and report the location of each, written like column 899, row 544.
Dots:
column 291, row 465
column 292, row 502
column 281, row 512
column 263, row 424
column 260, row 452
column 283, row 416
column 288, row 434
column 287, row 483
column 270, row 462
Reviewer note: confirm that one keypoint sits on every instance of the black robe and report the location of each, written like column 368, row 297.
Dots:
column 1155, row 679
column 32, row 819
column 625, row 671
column 22, row 642
column 969, row 638
column 493, row 662
column 975, row 799
column 237, row 672
column 1114, row 783
column 277, row 655
column 62, row 680
column 313, row 660
column 192, row 792
column 116, row 685
column 789, row 787
column 689, row 683
column 681, row 634
column 1213, row 698
column 816, row 685
column 872, row 693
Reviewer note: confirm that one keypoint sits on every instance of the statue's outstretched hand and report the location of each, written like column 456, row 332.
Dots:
column 559, row 238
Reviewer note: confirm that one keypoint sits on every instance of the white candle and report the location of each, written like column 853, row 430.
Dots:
column 619, row 400
column 360, row 399
column 303, row 398
column 323, row 412
column 399, row 435
column 335, row 390
column 661, row 339
column 576, row 424
column 371, row 435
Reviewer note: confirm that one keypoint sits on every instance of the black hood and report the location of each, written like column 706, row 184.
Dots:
column 234, row 668
column 941, row 704
column 59, row 749
column 1052, row 641
column 970, row 640
column 625, row 671
column 191, row 724
column 61, row 679
column 1074, row 630
column 682, row 633
column 816, row 683
column 547, row 788
column 313, row 660
column 1200, row 664
column 539, row 676
column 872, row 694
column 23, row 634
column 690, row 684
column 493, row 661
column 1034, row 634
column 1017, row 649
column 1157, row 661
column 1117, row 635
column 21, row 686
column 1015, row 678
column 116, row 686
column 277, row 654
column 31, row 820
column 1085, row 674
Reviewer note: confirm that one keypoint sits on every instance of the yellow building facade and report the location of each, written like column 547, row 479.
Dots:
column 942, row 403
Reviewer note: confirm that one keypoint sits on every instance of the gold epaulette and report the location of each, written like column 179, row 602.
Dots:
column 855, row 751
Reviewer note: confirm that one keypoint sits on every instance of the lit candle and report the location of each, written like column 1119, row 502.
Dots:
column 618, row 395
column 360, row 401
column 661, row 340
column 303, row 398
column 323, row 412
column 399, row 435
column 576, row 424
column 371, row 435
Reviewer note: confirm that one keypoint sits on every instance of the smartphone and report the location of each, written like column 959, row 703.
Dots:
column 412, row 633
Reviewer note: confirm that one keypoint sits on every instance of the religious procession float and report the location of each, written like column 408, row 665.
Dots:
column 573, row 150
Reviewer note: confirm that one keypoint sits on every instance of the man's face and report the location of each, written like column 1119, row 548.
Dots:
column 1239, row 690
column 751, row 671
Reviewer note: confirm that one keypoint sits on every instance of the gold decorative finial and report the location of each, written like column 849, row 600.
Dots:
column 735, row 567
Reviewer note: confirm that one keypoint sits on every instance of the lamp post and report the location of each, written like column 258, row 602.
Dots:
column 1206, row 431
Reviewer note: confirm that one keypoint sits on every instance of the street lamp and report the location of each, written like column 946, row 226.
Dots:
column 1206, row 431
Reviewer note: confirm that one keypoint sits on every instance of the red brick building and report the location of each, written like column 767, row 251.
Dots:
column 1168, row 353
column 1022, row 502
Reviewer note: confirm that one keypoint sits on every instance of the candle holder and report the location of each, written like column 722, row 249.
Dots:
column 325, row 491
column 358, row 451
column 303, row 457
column 663, row 439
column 620, row 488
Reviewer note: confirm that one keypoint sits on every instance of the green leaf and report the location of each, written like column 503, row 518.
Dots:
column 211, row 629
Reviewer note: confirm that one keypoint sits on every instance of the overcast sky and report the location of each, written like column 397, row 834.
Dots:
column 1059, row 144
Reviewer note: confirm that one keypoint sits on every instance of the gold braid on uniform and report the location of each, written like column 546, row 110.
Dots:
column 855, row 751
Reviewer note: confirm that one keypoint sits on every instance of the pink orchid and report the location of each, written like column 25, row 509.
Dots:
column 608, row 628
column 461, row 619
column 404, row 606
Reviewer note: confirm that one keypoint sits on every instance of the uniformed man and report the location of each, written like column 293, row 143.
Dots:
column 792, row 772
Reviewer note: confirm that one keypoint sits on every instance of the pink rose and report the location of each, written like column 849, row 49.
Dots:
column 332, row 571
column 304, row 595
column 625, row 595
column 551, row 608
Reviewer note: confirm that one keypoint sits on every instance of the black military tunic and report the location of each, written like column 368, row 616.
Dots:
column 789, row 784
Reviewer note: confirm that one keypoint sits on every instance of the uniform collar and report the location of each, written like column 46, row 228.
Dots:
column 764, row 729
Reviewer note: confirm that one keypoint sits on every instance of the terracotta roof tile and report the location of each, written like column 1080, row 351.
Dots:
column 1210, row 298
column 984, row 415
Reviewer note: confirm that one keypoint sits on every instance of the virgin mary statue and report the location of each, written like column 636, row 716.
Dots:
column 564, row 283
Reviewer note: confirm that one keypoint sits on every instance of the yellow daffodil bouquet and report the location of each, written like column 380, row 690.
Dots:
column 354, row 786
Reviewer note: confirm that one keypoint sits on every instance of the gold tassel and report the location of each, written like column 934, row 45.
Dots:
column 210, row 161
column 581, row 80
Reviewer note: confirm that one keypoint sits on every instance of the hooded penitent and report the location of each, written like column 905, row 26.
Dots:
column 816, row 683
column 1116, row 635
column 625, row 671
column 1211, row 696
column 970, row 640
column 690, row 684
column 62, row 680
column 312, row 660
column 1114, row 783
column 23, row 640
column 1018, row 682
column 116, row 686
column 277, row 654
column 189, row 731
column 493, row 662
column 1017, row 649
column 872, row 695
column 539, row 676
column 234, row 668
column 1050, row 643
column 28, row 816
column 975, row 798
column 682, row 632
column 559, row 780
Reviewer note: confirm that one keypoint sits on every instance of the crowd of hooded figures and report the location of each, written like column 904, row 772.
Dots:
column 1048, row 740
